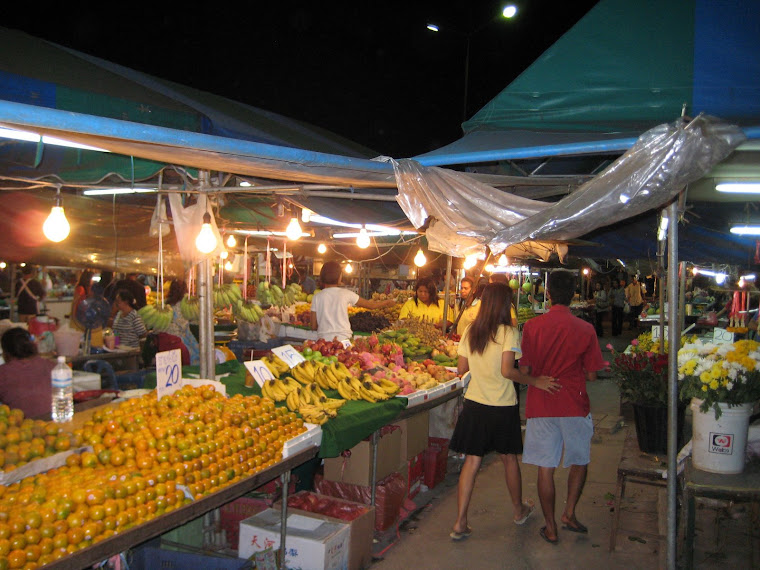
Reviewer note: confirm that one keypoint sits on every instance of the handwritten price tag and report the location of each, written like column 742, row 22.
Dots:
column 168, row 372
column 656, row 332
column 288, row 354
column 722, row 336
column 259, row 371
column 346, row 343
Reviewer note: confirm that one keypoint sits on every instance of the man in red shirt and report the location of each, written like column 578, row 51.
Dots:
column 565, row 347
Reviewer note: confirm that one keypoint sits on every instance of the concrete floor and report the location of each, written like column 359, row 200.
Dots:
column 422, row 541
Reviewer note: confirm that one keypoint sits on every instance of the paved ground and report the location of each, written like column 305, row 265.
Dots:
column 422, row 541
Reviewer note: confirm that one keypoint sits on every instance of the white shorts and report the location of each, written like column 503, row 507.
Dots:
column 545, row 438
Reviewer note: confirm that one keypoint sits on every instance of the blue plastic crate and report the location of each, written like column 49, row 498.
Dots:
column 153, row 558
column 129, row 380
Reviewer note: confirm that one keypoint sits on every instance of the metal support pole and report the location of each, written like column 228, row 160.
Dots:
column 373, row 448
column 674, row 336
column 682, row 295
column 206, row 321
column 446, row 294
column 285, row 480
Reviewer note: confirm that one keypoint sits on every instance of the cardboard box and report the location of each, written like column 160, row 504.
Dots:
column 355, row 465
column 310, row 544
column 232, row 513
column 413, row 472
column 414, row 435
column 361, row 529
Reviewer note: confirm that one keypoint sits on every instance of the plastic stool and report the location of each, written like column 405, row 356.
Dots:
column 107, row 376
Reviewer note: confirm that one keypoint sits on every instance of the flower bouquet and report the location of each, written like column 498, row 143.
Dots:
column 720, row 373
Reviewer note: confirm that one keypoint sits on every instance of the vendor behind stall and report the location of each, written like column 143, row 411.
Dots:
column 425, row 305
column 30, row 294
column 25, row 376
column 127, row 324
column 329, row 307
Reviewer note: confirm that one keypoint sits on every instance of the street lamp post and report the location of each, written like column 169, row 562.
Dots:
column 507, row 12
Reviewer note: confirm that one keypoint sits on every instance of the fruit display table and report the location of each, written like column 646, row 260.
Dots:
column 166, row 522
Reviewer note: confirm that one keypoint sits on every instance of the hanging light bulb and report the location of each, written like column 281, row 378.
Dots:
column 503, row 261
column 322, row 248
column 231, row 241
column 490, row 268
column 363, row 239
column 306, row 215
column 206, row 240
column 56, row 228
column 470, row 261
column 224, row 254
column 228, row 266
column 293, row 231
column 420, row 259
column 349, row 268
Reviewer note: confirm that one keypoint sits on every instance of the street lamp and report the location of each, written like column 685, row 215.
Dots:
column 508, row 12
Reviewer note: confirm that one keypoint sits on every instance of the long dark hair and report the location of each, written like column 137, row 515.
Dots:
column 428, row 284
column 495, row 310
column 85, row 279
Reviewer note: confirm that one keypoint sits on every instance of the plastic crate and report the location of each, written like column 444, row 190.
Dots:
column 436, row 457
column 132, row 380
column 154, row 558
column 251, row 349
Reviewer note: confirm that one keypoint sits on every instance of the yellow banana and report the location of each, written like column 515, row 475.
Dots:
column 333, row 403
column 316, row 389
column 387, row 386
column 292, row 401
column 304, row 396
column 321, row 379
column 278, row 393
column 377, row 393
column 289, row 384
column 346, row 391
column 265, row 390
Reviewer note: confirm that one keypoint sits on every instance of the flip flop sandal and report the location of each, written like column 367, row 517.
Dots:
column 576, row 527
column 526, row 516
column 542, row 532
column 457, row 536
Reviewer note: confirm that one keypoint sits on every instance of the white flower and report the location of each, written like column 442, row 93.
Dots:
column 730, row 385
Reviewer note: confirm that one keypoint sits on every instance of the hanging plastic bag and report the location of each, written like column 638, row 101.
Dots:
column 626, row 308
column 159, row 221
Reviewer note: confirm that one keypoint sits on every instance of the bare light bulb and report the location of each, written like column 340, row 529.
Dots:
column 228, row 266
column 503, row 261
column 206, row 240
column 470, row 261
column 224, row 254
column 363, row 239
column 306, row 215
column 231, row 241
column 322, row 248
column 490, row 268
column 293, row 231
column 56, row 228
column 420, row 259
column 349, row 268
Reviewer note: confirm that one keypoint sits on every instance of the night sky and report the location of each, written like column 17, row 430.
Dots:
column 368, row 71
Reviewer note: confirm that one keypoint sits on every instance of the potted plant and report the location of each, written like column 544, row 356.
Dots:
column 642, row 376
column 723, row 383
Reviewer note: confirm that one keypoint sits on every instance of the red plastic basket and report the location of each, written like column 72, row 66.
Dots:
column 436, row 457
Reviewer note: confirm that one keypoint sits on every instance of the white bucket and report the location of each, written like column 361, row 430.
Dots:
column 719, row 446
column 67, row 341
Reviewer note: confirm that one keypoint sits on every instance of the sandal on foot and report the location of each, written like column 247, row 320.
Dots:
column 457, row 536
column 575, row 526
column 526, row 516
column 553, row 541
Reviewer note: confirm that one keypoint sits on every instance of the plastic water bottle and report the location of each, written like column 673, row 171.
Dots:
column 63, row 392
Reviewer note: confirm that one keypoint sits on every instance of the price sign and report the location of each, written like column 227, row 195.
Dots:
column 259, row 371
column 722, row 336
column 346, row 343
column 288, row 354
column 656, row 332
column 168, row 372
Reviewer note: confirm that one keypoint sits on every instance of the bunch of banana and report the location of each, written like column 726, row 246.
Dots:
column 190, row 308
column 247, row 311
column 155, row 317
column 276, row 365
column 279, row 389
column 312, row 404
column 314, row 414
column 366, row 389
column 226, row 294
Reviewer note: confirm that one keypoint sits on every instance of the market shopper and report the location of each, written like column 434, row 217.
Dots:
column 25, row 376
column 635, row 299
column 329, row 307
column 601, row 307
column 471, row 310
column 565, row 347
column 425, row 305
column 180, row 326
column 617, row 296
column 30, row 294
column 490, row 419
column 127, row 324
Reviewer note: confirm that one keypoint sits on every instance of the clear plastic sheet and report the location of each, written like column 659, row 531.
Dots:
column 469, row 214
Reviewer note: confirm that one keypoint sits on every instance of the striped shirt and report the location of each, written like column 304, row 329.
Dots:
column 129, row 328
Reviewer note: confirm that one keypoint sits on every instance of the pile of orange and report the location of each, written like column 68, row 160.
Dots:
column 23, row 440
column 149, row 457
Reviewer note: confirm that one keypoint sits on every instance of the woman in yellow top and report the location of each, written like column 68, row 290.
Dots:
column 490, row 418
column 425, row 304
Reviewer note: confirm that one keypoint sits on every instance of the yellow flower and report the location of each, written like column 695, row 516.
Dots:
column 704, row 387
column 705, row 377
column 714, row 385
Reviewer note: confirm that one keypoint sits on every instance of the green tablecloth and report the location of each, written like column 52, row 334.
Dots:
column 356, row 420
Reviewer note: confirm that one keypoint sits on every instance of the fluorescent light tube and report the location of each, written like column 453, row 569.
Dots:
column 111, row 191
column 746, row 230
column 739, row 187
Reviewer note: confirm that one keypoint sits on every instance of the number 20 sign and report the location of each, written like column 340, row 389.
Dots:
column 168, row 372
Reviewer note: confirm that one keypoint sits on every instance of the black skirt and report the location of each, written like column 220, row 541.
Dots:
column 481, row 429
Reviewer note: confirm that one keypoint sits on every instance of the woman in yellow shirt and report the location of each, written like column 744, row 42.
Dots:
column 425, row 304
